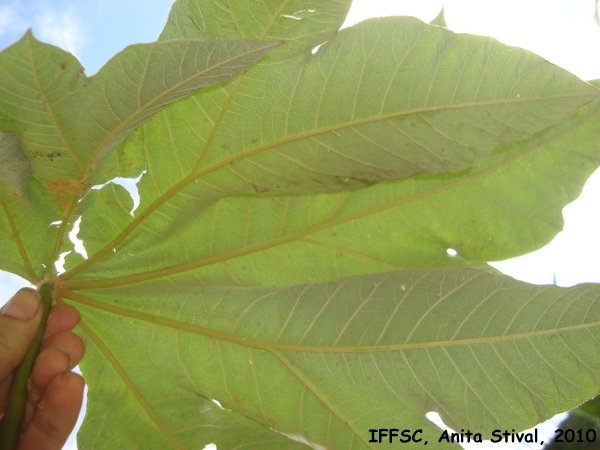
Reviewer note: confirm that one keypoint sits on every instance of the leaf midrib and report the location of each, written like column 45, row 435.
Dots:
column 279, row 346
column 365, row 121
column 131, row 386
column 142, row 109
column 302, row 378
column 16, row 238
column 198, row 173
column 49, row 106
column 324, row 224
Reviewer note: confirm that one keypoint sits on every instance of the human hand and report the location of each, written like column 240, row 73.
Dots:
column 54, row 392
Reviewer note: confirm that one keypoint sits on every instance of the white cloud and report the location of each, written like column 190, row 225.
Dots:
column 10, row 21
column 61, row 29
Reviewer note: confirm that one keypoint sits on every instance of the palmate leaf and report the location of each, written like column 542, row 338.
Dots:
column 390, row 144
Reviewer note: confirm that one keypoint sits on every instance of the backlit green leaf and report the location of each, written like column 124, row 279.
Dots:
column 324, row 363
column 440, row 20
column 68, row 123
column 308, row 258
column 15, row 168
column 335, row 141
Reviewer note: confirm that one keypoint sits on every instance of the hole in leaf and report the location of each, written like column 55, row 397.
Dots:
column 451, row 252
column 59, row 265
column 302, row 440
column 210, row 446
column 299, row 15
column 449, row 434
column 436, row 419
column 130, row 184
column 77, row 243
column 216, row 402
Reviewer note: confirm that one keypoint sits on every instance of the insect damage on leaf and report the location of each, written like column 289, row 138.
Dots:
column 71, row 187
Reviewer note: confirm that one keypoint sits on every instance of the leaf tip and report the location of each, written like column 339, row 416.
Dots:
column 440, row 19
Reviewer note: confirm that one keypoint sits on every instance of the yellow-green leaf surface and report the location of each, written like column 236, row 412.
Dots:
column 15, row 167
column 506, row 206
column 253, row 271
column 326, row 362
column 68, row 123
column 303, row 123
column 440, row 20
column 370, row 105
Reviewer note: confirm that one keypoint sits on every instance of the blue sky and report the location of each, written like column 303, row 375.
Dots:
column 563, row 31
column 93, row 30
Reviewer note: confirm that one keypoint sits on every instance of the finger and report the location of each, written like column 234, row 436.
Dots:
column 69, row 342
column 65, row 352
column 59, row 353
column 62, row 317
column 19, row 320
column 48, row 365
column 56, row 414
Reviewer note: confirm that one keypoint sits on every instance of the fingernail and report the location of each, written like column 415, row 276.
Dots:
column 23, row 305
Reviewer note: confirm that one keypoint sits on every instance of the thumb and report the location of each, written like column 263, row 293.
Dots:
column 19, row 320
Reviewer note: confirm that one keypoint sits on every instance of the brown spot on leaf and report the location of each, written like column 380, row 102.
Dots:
column 237, row 399
column 65, row 191
column 51, row 156
column 62, row 202
column 270, row 420
column 259, row 190
column 69, row 186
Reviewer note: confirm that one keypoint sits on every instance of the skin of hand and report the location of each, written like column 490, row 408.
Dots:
column 54, row 392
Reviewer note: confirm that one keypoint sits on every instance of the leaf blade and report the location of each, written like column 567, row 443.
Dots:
column 385, row 333
column 68, row 123
column 400, row 110
column 207, row 62
column 152, row 75
column 509, row 205
column 15, row 168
